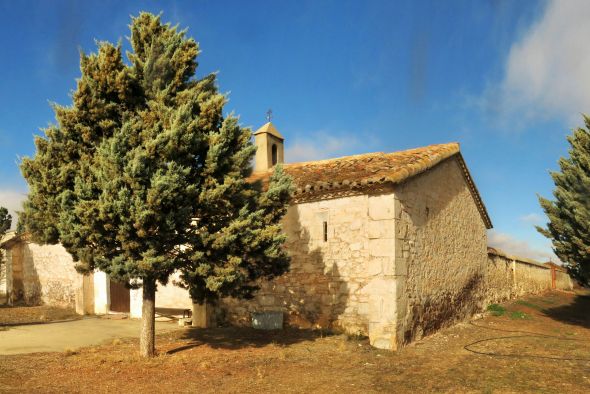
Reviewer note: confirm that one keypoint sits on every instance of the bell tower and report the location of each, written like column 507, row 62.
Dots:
column 270, row 148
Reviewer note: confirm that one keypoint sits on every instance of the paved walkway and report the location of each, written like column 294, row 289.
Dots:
column 57, row 337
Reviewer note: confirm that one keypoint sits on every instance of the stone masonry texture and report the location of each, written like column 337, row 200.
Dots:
column 441, row 252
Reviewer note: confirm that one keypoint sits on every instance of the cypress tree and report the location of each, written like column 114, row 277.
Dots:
column 141, row 157
column 5, row 223
column 569, row 214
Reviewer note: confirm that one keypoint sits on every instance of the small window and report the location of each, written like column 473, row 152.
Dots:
column 325, row 231
column 274, row 154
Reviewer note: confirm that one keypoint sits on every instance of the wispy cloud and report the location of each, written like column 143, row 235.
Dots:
column 13, row 201
column 517, row 247
column 532, row 218
column 546, row 72
column 325, row 145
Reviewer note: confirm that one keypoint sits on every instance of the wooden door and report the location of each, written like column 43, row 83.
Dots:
column 120, row 300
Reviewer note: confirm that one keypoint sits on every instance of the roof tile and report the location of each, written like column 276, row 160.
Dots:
column 316, row 177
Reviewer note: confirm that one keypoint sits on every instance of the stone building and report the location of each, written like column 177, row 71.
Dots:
column 388, row 245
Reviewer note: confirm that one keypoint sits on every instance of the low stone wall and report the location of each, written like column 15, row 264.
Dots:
column 508, row 277
column 3, row 295
column 41, row 274
column 563, row 281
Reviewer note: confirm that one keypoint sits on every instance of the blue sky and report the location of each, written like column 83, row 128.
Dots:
column 503, row 78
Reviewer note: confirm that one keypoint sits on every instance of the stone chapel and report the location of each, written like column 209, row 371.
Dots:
column 392, row 246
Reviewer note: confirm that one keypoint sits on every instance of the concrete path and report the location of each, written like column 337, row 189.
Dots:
column 57, row 337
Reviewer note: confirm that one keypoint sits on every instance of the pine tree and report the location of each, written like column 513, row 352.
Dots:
column 142, row 156
column 569, row 215
column 5, row 223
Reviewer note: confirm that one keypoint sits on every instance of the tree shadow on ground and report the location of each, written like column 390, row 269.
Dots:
column 575, row 313
column 245, row 337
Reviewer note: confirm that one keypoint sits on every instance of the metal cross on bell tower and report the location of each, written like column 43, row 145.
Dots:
column 269, row 115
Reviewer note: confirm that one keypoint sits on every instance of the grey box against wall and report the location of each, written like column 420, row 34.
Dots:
column 267, row 320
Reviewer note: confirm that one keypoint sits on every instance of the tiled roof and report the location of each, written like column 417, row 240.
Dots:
column 327, row 177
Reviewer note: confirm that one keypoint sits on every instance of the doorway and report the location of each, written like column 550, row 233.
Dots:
column 120, row 299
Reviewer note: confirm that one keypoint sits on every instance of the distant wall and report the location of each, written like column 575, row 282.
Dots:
column 3, row 295
column 563, row 280
column 511, row 276
column 41, row 274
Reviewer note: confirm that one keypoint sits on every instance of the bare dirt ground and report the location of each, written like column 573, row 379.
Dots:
column 536, row 344
column 34, row 314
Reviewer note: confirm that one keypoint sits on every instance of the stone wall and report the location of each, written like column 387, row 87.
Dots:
column 441, row 246
column 563, row 281
column 508, row 277
column 531, row 278
column 333, row 281
column 499, row 283
column 41, row 274
column 3, row 295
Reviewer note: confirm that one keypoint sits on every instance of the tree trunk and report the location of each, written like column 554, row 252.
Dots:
column 200, row 316
column 147, row 339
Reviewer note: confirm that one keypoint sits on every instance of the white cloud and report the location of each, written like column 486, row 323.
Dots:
column 12, row 200
column 520, row 248
column 546, row 73
column 324, row 145
column 532, row 218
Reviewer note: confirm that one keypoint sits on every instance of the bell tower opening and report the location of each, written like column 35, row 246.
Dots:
column 274, row 154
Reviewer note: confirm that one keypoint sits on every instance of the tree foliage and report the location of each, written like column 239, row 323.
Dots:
column 569, row 214
column 5, row 223
column 237, row 238
column 143, row 175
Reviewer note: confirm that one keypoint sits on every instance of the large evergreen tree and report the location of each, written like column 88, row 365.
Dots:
column 5, row 223
column 569, row 214
column 142, row 158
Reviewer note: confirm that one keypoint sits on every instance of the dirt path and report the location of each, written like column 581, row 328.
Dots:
column 537, row 344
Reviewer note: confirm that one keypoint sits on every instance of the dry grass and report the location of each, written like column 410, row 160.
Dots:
column 34, row 314
column 547, row 352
